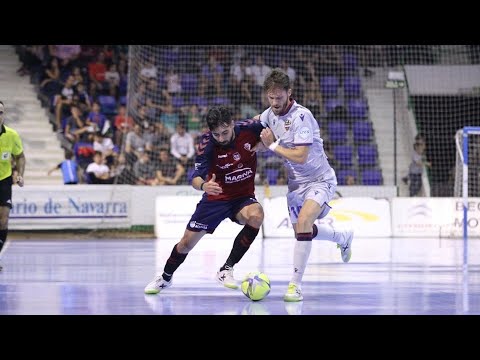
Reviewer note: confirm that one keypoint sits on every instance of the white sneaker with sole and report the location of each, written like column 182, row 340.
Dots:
column 294, row 293
column 226, row 278
column 346, row 247
column 157, row 285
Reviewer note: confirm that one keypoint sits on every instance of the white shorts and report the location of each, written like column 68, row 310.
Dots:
column 320, row 192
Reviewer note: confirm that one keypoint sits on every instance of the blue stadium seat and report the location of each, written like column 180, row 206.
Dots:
column 337, row 132
column 200, row 101
column 343, row 173
column 329, row 86
column 372, row 177
column 358, row 108
column 352, row 87
column 350, row 64
column 178, row 101
column 189, row 84
column 343, row 154
column 219, row 100
column 367, row 155
column 362, row 131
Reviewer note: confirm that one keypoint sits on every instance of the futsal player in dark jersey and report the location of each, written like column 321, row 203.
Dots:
column 225, row 167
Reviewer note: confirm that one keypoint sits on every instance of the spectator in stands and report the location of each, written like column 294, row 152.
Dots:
column 96, row 75
column 112, row 79
column 211, row 78
column 84, row 101
column 239, row 81
column 105, row 145
column 170, row 117
column 144, row 170
column 172, row 80
column 149, row 70
column 98, row 172
column 69, row 169
column 350, row 180
column 193, row 119
column 135, row 144
column 123, row 124
column 182, row 147
column 420, row 139
column 75, row 127
column 97, row 120
column 78, row 76
column 157, row 137
column 312, row 99
column 51, row 75
column 256, row 74
column 122, row 172
column 169, row 169
column 416, row 169
column 63, row 101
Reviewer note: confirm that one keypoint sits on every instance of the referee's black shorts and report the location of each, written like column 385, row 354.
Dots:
column 6, row 192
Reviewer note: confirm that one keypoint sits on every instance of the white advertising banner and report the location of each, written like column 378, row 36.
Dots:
column 368, row 217
column 172, row 214
column 434, row 217
column 69, row 207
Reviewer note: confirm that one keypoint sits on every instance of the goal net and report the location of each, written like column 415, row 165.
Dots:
column 466, row 184
column 369, row 128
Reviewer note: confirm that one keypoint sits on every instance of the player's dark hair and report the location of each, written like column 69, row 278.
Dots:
column 277, row 78
column 217, row 116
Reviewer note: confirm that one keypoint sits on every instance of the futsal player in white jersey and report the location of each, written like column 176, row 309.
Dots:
column 293, row 133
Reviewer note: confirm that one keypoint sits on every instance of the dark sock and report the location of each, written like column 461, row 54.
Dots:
column 304, row 237
column 240, row 246
column 173, row 262
column 3, row 238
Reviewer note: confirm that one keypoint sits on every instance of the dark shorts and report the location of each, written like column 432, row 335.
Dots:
column 209, row 214
column 6, row 192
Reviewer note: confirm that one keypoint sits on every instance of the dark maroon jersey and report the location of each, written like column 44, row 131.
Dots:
column 234, row 165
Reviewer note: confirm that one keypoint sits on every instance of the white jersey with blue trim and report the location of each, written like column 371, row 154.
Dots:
column 298, row 127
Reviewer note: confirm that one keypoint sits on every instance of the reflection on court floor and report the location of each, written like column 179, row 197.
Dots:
column 386, row 276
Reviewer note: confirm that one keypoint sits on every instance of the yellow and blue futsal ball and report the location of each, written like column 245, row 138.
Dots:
column 256, row 285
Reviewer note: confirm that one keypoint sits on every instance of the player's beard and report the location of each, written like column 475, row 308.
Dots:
column 280, row 110
column 228, row 142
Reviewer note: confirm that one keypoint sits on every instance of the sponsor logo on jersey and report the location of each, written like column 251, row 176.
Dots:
column 5, row 155
column 238, row 175
column 222, row 156
column 226, row 166
column 304, row 132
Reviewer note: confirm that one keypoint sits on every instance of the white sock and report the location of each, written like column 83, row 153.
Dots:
column 327, row 232
column 300, row 259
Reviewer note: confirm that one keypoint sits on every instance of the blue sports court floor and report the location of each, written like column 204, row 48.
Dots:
column 387, row 276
